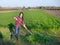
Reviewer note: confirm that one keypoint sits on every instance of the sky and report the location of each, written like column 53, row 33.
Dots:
column 29, row 3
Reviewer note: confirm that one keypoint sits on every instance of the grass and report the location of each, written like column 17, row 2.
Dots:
column 44, row 26
column 7, row 18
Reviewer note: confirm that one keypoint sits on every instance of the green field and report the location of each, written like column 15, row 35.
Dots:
column 43, row 25
column 34, row 19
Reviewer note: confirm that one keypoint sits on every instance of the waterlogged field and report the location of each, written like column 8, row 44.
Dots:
column 44, row 26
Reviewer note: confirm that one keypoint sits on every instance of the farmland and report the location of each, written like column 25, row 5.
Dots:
column 37, row 18
column 44, row 26
column 54, row 12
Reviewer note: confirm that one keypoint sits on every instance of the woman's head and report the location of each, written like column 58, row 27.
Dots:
column 21, row 15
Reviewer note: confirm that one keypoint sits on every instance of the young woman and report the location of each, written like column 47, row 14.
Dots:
column 19, row 21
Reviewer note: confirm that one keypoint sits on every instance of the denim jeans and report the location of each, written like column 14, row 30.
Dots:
column 17, row 32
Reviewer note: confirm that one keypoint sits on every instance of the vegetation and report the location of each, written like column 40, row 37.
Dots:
column 43, row 26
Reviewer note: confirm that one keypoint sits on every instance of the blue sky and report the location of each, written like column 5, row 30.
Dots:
column 27, row 3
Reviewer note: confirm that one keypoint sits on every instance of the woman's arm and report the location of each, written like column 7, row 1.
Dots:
column 26, row 28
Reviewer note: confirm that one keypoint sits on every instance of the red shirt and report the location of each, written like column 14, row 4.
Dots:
column 19, row 21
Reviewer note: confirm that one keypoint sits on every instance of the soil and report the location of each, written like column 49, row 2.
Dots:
column 8, row 11
column 54, row 12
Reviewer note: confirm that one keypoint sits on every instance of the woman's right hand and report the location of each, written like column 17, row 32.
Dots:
column 15, row 18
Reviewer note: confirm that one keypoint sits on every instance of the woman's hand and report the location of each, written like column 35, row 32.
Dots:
column 15, row 18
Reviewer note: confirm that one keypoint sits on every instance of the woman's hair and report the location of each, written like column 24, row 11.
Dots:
column 22, row 15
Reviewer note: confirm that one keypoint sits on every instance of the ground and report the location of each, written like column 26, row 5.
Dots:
column 7, row 11
column 54, row 12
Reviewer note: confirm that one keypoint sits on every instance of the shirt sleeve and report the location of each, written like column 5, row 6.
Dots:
column 22, row 22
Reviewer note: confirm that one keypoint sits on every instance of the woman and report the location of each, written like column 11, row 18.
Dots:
column 19, row 21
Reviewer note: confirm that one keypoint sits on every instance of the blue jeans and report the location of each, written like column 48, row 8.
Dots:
column 17, row 32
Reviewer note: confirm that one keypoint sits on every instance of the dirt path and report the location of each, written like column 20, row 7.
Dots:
column 54, row 12
column 8, row 11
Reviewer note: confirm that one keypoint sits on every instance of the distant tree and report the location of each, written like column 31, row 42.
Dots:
column 23, row 7
column 0, row 7
column 29, row 7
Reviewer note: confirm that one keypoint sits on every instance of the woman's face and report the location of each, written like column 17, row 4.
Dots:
column 21, row 15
